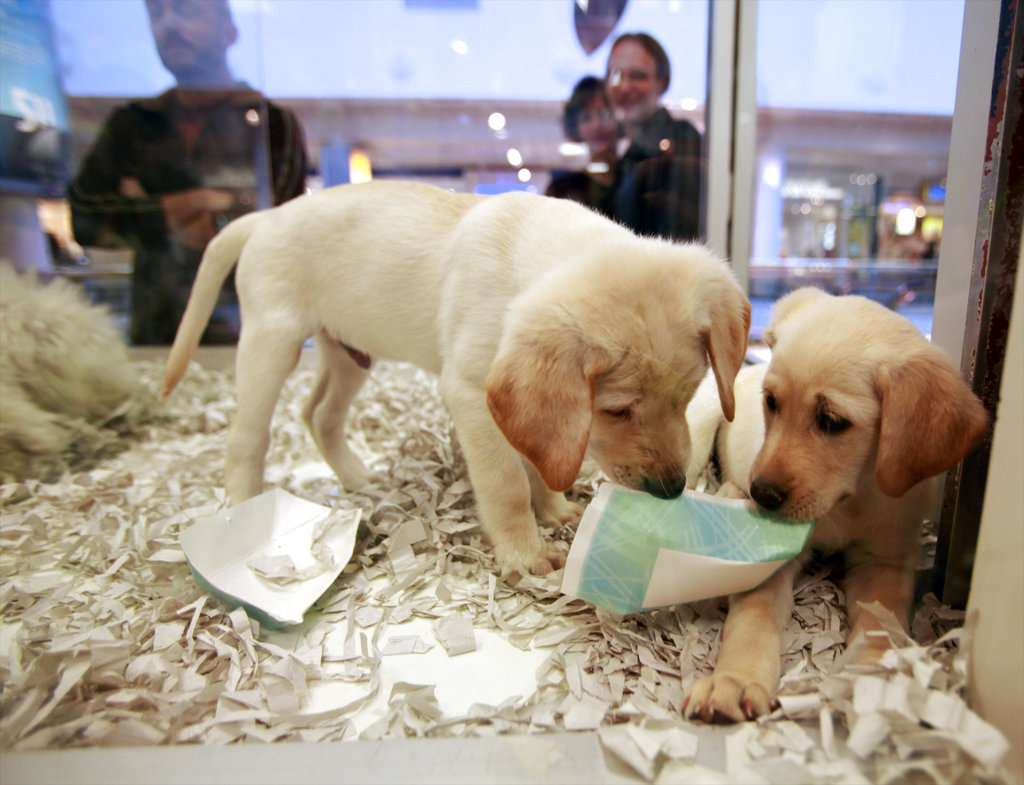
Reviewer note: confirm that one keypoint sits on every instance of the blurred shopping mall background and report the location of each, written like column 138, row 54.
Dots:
column 854, row 109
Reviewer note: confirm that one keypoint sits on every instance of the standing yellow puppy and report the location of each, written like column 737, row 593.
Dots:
column 554, row 331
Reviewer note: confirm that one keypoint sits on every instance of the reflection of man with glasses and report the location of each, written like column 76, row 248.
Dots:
column 659, row 176
column 166, row 173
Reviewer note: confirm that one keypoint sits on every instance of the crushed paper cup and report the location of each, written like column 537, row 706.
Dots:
column 273, row 555
column 634, row 552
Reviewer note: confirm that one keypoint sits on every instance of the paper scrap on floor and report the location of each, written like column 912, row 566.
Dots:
column 273, row 555
column 634, row 552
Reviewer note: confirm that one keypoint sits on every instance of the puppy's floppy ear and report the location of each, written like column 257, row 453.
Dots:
column 930, row 421
column 725, row 339
column 541, row 395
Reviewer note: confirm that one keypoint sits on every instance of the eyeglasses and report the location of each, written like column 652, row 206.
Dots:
column 617, row 76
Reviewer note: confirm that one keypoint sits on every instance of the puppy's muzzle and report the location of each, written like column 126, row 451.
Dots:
column 664, row 487
column 769, row 496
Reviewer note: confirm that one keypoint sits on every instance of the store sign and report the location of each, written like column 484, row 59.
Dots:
column 812, row 190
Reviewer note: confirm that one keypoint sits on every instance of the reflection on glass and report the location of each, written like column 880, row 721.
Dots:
column 164, row 174
column 853, row 146
column 465, row 95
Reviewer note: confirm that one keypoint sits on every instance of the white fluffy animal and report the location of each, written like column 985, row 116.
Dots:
column 64, row 374
column 854, row 412
column 553, row 330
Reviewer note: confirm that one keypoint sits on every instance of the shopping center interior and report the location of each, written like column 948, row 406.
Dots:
column 850, row 169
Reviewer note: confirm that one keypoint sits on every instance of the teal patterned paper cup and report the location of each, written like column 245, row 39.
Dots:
column 634, row 552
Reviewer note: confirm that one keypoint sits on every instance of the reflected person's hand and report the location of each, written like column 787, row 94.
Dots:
column 190, row 214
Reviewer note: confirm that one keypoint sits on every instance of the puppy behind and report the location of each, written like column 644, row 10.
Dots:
column 554, row 331
column 854, row 412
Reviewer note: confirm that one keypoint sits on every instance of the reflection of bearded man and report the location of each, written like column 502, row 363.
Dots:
column 192, row 38
column 166, row 173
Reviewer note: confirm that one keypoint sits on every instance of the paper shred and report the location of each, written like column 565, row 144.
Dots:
column 646, row 748
column 624, row 745
column 106, row 640
column 584, row 713
column 406, row 644
column 408, row 534
column 281, row 570
column 165, row 634
column 826, row 729
column 868, row 732
column 455, row 633
column 368, row 616
column 403, row 562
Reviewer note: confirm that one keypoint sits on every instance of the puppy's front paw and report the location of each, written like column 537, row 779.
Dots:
column 347, row 467
column 556, row 509
column 350, row 470
column 539, row 560
column 727, row 696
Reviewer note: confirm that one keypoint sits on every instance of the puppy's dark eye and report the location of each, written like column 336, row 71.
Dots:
column 830, row 423
column 770, row 403
column 619, row 413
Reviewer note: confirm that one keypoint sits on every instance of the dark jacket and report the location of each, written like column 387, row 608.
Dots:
column 658, row 180
column 582, row 188
column 245, row 144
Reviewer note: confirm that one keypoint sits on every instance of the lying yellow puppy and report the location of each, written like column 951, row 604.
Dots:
column 855, row 410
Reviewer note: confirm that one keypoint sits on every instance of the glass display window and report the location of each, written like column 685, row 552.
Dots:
column 853, row 134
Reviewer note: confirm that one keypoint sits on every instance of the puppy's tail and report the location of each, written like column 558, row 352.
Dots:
column 218, row 260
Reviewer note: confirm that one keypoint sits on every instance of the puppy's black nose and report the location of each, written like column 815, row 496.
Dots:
column 664, row 487
column 771, row 497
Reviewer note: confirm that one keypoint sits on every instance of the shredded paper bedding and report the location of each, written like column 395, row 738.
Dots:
column 107, row 640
